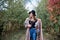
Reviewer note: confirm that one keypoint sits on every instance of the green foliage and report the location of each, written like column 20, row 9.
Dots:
column 14, row 16
column 43, row 13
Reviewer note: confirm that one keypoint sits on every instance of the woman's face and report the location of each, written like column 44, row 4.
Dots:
column 30, row 15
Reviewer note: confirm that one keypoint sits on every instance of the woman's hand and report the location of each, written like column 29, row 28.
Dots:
column 29, row 25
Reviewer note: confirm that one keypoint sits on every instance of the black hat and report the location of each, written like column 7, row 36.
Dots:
column 33, row 12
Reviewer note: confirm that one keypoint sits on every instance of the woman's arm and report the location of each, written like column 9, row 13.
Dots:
column 26, row 23
column 41, row 33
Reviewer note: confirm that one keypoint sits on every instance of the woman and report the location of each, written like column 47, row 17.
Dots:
column 34, row 27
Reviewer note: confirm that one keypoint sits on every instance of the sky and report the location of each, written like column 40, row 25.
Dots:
column 31, row 4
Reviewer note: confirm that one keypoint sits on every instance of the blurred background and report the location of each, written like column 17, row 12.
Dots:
column 14, row 12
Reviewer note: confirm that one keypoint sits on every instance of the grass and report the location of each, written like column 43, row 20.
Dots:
column 20, row 35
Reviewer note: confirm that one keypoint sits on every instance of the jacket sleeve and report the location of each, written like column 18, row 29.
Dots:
column 26, row 22
column 41, row 32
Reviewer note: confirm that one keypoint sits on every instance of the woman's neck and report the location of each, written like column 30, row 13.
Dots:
column 33, row 18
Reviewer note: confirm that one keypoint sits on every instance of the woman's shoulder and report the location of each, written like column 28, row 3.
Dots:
column 38, row 19
column 27, row 18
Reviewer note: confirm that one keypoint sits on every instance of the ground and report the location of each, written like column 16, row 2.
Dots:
column 20, row 35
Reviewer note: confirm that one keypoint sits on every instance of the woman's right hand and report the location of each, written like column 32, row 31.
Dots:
column 29, row 25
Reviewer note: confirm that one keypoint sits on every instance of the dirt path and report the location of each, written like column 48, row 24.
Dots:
column 20, row 35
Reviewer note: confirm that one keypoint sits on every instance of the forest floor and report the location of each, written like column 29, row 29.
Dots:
column 20, row 35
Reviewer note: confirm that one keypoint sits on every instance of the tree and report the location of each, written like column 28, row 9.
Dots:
column 43, row 13
column 14, row 15
column 54, row 10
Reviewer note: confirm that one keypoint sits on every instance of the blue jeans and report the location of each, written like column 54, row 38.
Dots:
column 33, row 34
